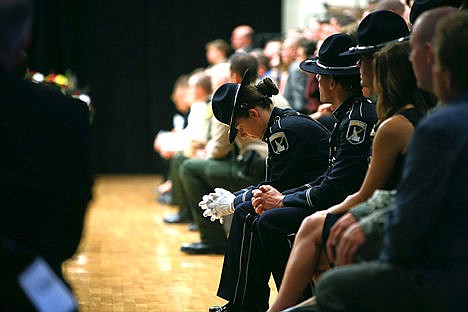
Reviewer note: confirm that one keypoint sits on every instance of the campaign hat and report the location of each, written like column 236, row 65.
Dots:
column 329, row 61
column 225, row 103
column 421, row 6
column 378, row 29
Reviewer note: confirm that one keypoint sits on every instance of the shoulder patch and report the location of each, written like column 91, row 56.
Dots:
column 278, row 142
column 356, row 132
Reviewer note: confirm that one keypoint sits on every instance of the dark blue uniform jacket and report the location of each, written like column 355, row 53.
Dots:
column 297, row 151
column 350, row 146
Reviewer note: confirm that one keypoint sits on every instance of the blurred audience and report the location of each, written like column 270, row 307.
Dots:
column 164, row 144
column 217, row 51
column 293, row 79
column 242, row 38
column 272, row 51
column 191, row 141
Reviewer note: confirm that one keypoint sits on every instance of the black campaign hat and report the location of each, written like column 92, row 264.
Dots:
column 378, row 29
column 421, row 6
column 329, row 61
column 225, row 103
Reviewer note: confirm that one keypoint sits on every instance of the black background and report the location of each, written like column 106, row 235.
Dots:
column 129, row 53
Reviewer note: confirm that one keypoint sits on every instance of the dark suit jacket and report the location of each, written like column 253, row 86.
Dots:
column 428, row 232
column 294, row 91
column 45, row 175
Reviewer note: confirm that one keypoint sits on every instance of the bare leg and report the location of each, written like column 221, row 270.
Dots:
column 302, row 262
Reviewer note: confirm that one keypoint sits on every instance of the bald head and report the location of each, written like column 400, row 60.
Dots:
column 421, row 56
column 242, row 37
column 395, row 6
column 425, row 25
column 450, row 70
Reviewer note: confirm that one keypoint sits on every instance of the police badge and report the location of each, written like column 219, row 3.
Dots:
column 278, row 142
column 356, row 132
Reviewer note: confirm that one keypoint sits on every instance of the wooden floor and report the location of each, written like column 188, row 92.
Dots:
column 129, row 259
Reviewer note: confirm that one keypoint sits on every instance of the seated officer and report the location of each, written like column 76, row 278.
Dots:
column 258, row 242
column 230, row 166
column 297, row 144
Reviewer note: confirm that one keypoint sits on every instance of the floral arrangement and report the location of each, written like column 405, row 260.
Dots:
column 67, row 84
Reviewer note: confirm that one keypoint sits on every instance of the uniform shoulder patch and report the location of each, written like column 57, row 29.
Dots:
column 356, row 132
column 278, row 142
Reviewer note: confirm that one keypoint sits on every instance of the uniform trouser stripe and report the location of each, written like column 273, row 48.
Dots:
column 244, row 257
column 309, row 202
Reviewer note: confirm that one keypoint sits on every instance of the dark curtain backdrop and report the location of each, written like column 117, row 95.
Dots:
column 129, row 54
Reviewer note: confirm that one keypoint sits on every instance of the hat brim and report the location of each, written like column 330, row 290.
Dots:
column 311, row 66
column 232, row 127
column 360, row 50
column 368, row 49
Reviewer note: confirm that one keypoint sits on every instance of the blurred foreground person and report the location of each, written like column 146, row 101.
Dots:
column 45, row 177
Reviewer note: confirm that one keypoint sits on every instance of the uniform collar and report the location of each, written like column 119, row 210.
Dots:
column 344, row 107
column 275, row 112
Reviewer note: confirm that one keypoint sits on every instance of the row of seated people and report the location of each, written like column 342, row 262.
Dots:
column 224, row 165
column 416, row 264
column 277, row 58
column 168, row 144
column 191, row 94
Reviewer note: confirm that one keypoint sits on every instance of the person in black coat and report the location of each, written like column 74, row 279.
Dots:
column 45, row 175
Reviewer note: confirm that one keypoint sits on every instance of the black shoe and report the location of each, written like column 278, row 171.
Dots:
column 232, row 307
column 177, row 218
column 193, row 227
column 165, row 198
column 201, row 248
column 228, row 307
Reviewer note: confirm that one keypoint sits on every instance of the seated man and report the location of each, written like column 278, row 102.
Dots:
column 191, row 141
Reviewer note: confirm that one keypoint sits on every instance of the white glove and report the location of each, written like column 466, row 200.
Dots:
column 203, row 204
column 217, row 204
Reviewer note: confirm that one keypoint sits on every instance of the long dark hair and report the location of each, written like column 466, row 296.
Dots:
column 394, row 82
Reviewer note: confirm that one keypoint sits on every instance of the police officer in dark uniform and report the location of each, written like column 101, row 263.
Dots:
column 297, row 144
column 259, row 238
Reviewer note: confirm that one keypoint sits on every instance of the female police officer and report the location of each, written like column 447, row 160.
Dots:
column 297, row 150
column 297, row 144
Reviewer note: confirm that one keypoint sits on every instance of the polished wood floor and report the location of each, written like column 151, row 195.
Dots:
column 129, row 259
